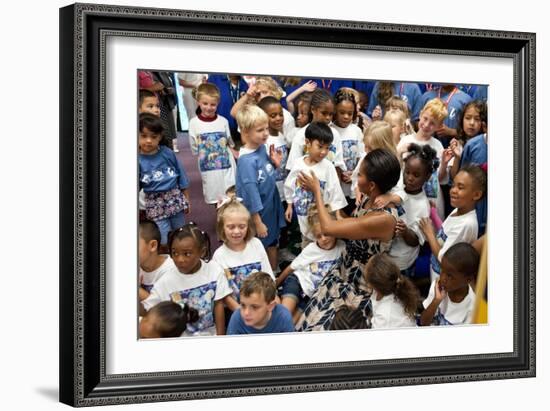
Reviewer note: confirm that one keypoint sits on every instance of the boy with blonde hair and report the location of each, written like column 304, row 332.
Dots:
column 259, row 312
column 256, row 179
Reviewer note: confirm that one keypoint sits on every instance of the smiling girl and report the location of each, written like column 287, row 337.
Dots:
column 194, row 282
column 241, row 253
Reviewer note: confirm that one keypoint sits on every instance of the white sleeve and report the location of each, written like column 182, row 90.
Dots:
column 339, row 155
column 296, row 150
column 431, row 295
column 304, row 258
column 334, row 196
column 222, row 286
column 230, row 141
column 288, row 123
column 155, row 296
column 456, row 234
column 193, row 143
column 290, row 184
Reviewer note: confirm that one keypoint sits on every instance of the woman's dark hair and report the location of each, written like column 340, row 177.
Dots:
column 478, row 175
column 172, row 318
column 425, row 154
column 343, row 95
column 318, row 97
column 200, row 237
column 384, row 276
column 382, row 167
column 481, row 107
column 320, row 132
column 151, row 122
column 348, row 318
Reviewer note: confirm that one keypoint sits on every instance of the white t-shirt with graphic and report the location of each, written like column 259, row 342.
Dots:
column 238, row 265
column 210, row 140
column 147, row 279
column 352, row 148
column 388, row 312
column 280, row 144
column 449, row 313
column 455, row 229
column 313, row 263
column 288, row 122
column 416, row 206
column 198, row 290
column 302, row 199
column 335, row 155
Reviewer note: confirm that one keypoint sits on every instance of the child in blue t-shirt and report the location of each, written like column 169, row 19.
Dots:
column 259, row 312
column 256, row 179
column 162, row 178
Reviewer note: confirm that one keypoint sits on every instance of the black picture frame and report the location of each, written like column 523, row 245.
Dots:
column 83, row 381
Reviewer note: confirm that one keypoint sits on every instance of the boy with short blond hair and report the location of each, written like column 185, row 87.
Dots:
column 259, row 312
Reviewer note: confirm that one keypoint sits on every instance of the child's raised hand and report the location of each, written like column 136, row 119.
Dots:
column 346, row 176
column 427, row 227
column 309, row 86
column 382, row 200
column 440, row 292
column 252, row 92
column 275, row 155
column 447, row 155
column 456, row 147
column 400, row 228
column 377, row 113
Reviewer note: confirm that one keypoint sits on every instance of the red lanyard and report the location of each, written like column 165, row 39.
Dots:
column 451, row 94
column 401, row 89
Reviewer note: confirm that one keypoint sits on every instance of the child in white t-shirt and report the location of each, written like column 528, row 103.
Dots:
column 152, row 265
column 451, row 298
column 318, row 140
column 210, row 139
column 241, row 253
column 199, row 284
column 394, row 297
column 418, row 168
column 469, row 186
column 301, row 278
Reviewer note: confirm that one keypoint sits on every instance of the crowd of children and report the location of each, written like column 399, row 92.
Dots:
column 252, row 166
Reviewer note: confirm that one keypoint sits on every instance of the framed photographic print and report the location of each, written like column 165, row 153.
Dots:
column 103, row 50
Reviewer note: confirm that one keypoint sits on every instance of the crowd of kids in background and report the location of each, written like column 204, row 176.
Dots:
column 253, row 138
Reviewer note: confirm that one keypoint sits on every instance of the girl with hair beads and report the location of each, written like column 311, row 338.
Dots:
column 199, row 284
column 167, row 319
column 162, row 178
column 241, row 252
column 469, row 186
column 321, row 110
column 351, row 138
column 394, row 297
column 264, row 86
column 210, row 139
column 431, row 118
column 419, row 165
column 400, row 124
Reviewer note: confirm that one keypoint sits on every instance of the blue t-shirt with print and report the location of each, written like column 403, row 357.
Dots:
column 280, row 322
column 454, row 102
column 408, row 92
column 161, row 171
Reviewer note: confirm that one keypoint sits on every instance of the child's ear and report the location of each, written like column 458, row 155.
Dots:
column 271, row 305
column 154, row 245
column 477, row 195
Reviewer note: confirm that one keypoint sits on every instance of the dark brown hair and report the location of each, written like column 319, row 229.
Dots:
column 172, row 318
column 384, row 276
